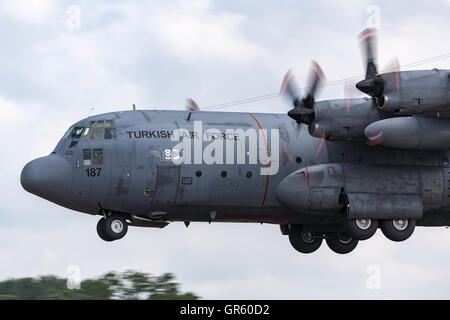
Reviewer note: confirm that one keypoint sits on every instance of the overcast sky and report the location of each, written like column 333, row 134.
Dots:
column 54, row 71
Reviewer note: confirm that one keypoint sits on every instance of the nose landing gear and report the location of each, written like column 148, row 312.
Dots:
column 114, row 227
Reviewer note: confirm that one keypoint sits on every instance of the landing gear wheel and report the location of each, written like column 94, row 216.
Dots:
column 398, row 229
column 362, row 229
column 342, row 245
column 101, row 230
column 116, row 227
column 304, row 242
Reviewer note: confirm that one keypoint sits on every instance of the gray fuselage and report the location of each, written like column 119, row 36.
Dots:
column 135, row 177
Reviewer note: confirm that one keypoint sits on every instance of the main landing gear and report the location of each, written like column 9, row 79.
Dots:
column 114, row 227
column 355, row 230
column 394, row 229
column 398, row 229
column 308, row 242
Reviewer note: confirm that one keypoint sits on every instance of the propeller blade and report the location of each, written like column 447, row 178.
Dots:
column 393, row 67
column 316, row 77
column 289, row 87
column 321, row 146
column 191, row 105
column 368, row 42
column 373, row 84
column 350, row 93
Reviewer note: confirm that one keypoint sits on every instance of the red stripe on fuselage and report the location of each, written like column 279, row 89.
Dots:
column 267, row 151
column 307, row 176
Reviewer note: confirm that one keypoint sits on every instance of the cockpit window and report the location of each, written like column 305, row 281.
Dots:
column 99, row 124
column 97, row 130
column 110, row 133
column 68, row 132
column 99, row 133
column 76, row 132
column 86, row 133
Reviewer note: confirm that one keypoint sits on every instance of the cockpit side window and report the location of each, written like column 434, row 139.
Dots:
column 68, row 132
column 76, row 132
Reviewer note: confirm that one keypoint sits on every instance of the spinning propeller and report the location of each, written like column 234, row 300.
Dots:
column 303, row 111
column 191, row 105
column 377, row 85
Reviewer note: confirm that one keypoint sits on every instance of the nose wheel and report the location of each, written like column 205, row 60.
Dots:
column 114, row 227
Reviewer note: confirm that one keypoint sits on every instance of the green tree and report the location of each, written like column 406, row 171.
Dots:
column 129, row 285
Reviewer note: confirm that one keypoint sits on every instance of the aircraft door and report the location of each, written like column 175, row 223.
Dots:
column 167, row 180
column 81, row 177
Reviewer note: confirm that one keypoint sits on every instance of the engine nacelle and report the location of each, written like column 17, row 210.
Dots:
column 343, row 119
column 315, row 188
column 415, row 92
column 364, row 191
column 410, row 133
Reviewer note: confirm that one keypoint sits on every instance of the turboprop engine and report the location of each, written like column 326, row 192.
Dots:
column 410, row 92
column 338, row 120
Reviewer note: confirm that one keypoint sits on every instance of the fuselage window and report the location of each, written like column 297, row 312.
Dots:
column 87, row 158
column 98, row 156
column 76, row 132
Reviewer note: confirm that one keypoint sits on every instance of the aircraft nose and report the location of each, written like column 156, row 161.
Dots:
column 48, row 177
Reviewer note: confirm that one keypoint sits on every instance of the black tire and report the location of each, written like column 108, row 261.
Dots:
column 304, row 242
column 342, row 245
column 395, row 229
column 362, row 229
column 116, row 227
column 101, row 230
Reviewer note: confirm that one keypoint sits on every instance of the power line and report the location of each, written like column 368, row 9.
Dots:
column 326, row 84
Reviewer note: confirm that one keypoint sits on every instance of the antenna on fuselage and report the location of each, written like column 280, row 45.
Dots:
column 134, row 107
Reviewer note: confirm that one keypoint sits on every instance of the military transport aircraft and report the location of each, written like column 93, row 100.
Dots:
column 346, row 168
